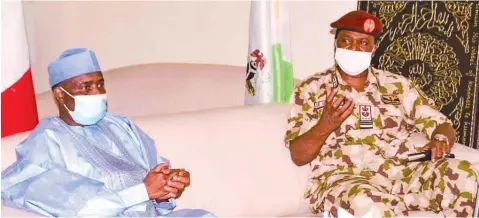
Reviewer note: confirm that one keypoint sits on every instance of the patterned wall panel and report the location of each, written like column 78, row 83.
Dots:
column 436, row 45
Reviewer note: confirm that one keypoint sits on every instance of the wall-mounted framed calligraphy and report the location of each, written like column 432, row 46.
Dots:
column 435, row 44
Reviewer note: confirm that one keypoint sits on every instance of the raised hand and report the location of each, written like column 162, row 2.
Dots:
column 335, row 112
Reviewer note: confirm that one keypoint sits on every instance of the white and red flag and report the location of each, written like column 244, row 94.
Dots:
column 19, row 109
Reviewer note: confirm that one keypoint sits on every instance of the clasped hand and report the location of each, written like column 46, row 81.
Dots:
column 162, row 183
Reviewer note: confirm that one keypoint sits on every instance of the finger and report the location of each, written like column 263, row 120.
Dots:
column 163, row 195
column 332, row 93
column 182, row 179
column 159, row 167
column 427, row 147
column 328, row 94
column 345, row 106
column 348, row 112
column 436, row 151
column 171, row 189
column 184, row 173
column 160, row 194
column 172, row 195
column 443, row 148
column 447, row 149
column 172, row 175
column 156, row 195
column 181, row 173
column 177, row 185
column 166, row 170
column 433, row 153
column 338, row 102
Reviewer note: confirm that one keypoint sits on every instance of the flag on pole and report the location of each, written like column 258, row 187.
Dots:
column 19, row 109
column 269, row 71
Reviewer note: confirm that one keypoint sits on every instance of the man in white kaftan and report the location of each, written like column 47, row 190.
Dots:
column 86, row 162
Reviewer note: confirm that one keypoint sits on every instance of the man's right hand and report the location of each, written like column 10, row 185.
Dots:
column 156, row 183
column 334, row 112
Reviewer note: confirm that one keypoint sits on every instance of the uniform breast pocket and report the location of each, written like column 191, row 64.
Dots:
column 389, row 116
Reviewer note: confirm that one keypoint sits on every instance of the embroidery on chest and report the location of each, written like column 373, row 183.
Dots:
column 391, row 94
column 365, row 117
column 393, row 99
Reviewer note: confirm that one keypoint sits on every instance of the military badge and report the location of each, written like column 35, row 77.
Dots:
column 365, row 117
column 391, row 99
column 369, row 26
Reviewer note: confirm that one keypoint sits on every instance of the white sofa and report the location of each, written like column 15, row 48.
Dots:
column 238, row 163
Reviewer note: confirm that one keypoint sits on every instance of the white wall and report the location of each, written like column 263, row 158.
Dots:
column 125, row 33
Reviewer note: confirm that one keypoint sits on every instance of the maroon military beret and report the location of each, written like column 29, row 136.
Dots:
column 359, row 21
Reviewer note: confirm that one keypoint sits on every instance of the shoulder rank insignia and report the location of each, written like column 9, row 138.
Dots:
column 335, row 81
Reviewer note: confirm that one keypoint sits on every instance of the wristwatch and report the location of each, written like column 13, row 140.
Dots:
column 441, row 138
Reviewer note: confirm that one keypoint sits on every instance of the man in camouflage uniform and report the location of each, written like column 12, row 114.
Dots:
column 352, row 123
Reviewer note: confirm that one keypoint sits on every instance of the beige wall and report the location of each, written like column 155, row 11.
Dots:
column 124, row 33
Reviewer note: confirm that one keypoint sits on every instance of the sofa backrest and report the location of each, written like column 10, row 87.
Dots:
column 161, row 88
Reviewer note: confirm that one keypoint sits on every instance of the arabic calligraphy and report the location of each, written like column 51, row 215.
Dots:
column 456, row 115
column 461, row 12
column 435, row 44
column 420, row 18
column 388, row 10
column 429, row 62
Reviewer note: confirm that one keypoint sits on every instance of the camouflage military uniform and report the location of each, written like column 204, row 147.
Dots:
column 363, row 163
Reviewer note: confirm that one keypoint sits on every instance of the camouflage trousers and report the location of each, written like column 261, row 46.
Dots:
column 447, row 185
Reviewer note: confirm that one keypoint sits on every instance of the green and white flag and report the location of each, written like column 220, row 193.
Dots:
column 269, row 72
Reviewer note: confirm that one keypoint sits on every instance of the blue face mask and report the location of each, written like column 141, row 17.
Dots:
column 89, row 109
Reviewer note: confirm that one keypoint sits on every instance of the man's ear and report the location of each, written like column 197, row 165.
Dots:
column 58, row 94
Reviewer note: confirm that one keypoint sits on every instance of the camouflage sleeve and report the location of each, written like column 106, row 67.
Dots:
column 298, row 120
column 421, row 110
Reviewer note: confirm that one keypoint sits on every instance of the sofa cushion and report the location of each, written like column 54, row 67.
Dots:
column 13, row 212
column 238, row 162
